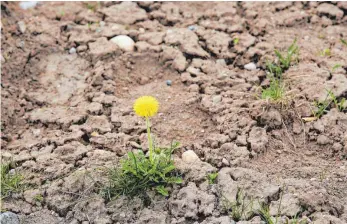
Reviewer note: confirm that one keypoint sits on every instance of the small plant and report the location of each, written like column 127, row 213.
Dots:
column 212, row 177
column 336, row 66
column 276, row 90
column 240, row 207
column 38, row 198
column 292, row 55
column 264, row 213
column 138, row 172
column 322, row 106
column 236, row 41
column 325, row 52
column 10, row 182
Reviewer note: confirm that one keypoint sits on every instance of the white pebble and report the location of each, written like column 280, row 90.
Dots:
column 28, row 5
column 124, row 42
column 72, row 50
column 190, row 156
column 250, row 66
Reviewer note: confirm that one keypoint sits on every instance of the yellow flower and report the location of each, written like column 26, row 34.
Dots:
column 146, row 106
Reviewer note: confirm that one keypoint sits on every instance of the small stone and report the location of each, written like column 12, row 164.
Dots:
column 102, row 23
column 95, row 108
column 193, row 88
column 337, row 147
column 124, row 42
column 6, row 155
column 9, row 218
column 190, row 157
column 225, row 162
column 72, row 50
column 250, row 66
column 323, row 140
column 168, row 82
column 144, row 80
column 318, row 125
column 28, row 5
column 20, row 44
column 241, row 140
column 192, row 27
column 21, row 26
column 36, row 132
column 217, row 99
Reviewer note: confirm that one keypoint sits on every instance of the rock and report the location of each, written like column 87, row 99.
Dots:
column 60, row 115
column 119, row 13
column 190, row 157
column 70, row 152
column 218, row 43
column 168, row 82
column 323, row 218
column 218, row 220
column 225, row 162
column 95, row 108
column 72, row 50
column 154, row 38
column 124, row 42
column 217, row 99
column 28, row 4
column 192, row 27
column 290, row 206
column 227, row 185
column 258, row 139
column 271, row 118
column 9, row 218
column 337, row 147
column 194, row 171
column 186, row 40
column 330, row 10
column 151, row 216
column 102, row 48
column 99, row 123
column 31, row 195
column 21, row 26
column 241, row 140
column 323, row 140
column 179, row 61
column 42, row 216
column 191, row 202
column 319, row 126
column 337, row 84
column 250, row 66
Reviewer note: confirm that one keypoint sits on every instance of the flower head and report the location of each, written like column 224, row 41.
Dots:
column 146, row 106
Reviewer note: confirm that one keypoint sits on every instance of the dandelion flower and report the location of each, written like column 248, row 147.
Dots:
column 146, row 106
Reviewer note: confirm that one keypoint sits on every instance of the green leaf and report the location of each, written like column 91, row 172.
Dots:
column 336, row 67
column 168, row 169
column 162, row 190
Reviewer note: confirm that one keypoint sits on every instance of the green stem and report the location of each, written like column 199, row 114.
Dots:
column 150, row 143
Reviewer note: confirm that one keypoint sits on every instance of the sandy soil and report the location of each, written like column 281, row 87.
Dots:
column 67, row 93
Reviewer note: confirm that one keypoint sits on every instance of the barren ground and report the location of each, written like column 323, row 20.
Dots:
column 65, row 115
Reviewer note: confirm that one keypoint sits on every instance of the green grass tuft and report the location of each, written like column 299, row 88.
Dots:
column 10, row 182
column 276, row 91
column 138, row 173
column 212, row 177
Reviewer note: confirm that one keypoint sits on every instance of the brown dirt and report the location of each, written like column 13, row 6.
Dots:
column 64, row 113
